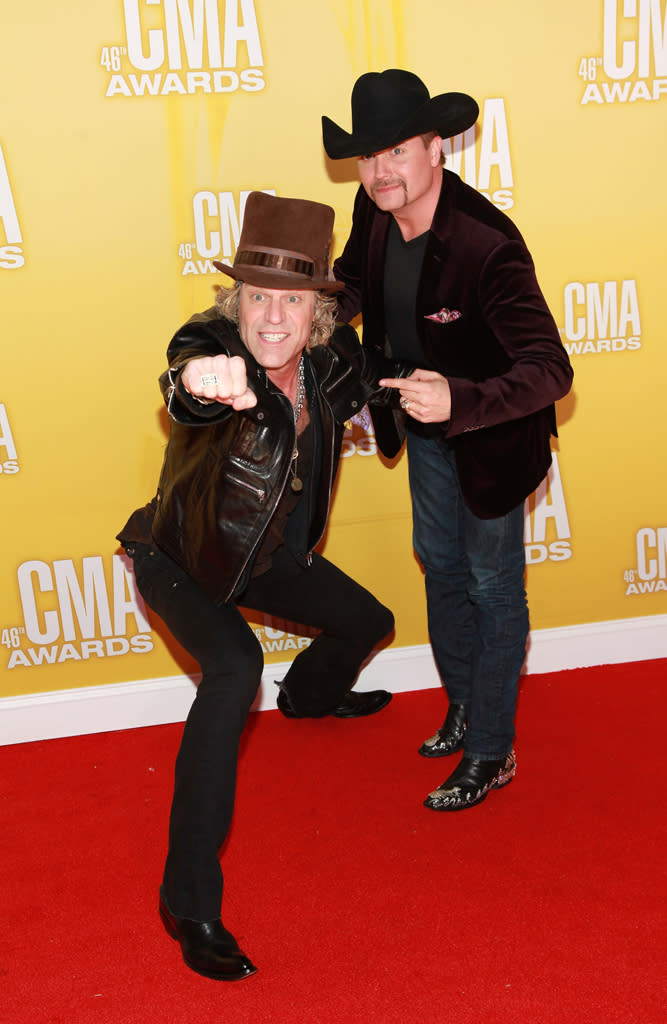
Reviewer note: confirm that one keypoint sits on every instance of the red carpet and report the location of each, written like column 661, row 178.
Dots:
column 544, row 904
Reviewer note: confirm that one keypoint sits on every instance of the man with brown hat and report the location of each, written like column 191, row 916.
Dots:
column 444, row 279
column 258, row 390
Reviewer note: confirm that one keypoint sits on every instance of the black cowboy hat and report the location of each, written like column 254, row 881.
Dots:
column 390, row 106
column 284, row 243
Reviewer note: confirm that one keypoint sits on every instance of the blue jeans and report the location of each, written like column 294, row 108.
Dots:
column 476, row 600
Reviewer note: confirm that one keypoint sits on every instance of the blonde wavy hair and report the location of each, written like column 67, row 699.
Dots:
column 324, row 315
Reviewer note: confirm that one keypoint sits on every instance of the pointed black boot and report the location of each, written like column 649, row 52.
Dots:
column 471, row 782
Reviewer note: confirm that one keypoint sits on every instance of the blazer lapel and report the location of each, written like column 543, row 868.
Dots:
column 377, row 245
column 437, row 253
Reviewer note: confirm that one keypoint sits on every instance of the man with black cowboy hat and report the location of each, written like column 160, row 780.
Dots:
column 444, row 280
column 258, row 390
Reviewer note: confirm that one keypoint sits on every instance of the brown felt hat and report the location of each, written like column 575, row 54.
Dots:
column 394, row 105
column 284, row 243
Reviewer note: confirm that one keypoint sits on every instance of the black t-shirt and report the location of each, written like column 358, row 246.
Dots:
column 402, row 270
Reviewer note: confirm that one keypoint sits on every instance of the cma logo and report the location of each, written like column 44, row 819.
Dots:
column 274, row 640
column 650, row 576
column 492, row 175
column 643, row 51
column 634, row 56
column 601, row 317
column 11, row 254
column 9, row 463
column 186, row 30
column 546, row 524
column 218, row 219
column 68, row 614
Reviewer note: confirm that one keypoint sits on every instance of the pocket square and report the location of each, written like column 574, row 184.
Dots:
column 444, row 315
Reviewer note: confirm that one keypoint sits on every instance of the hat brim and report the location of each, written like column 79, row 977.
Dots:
column 448, row 114
column 267, row 278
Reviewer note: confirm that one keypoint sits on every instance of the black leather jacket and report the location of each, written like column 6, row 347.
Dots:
column 224, row 472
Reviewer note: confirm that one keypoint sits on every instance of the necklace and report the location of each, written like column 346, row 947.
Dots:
column 296, row 483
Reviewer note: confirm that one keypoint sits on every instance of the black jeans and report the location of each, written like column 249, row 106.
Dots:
column 351, row 623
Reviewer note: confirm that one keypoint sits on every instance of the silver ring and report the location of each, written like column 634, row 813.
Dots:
column 405, row 404
column 208, row 378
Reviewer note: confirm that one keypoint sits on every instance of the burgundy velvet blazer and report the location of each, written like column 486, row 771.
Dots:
column 494, row 339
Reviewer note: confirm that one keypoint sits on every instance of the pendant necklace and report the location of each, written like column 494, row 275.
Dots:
column 296, row 483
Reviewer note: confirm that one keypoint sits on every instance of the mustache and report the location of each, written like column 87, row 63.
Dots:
column 384, row 182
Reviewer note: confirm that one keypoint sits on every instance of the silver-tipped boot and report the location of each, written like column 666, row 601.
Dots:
column 471, row 782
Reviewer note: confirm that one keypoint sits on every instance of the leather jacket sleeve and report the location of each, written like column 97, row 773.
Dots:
column 197, row 338
column 369, row 365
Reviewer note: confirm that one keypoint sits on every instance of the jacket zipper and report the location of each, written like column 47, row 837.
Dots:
column 258, row 491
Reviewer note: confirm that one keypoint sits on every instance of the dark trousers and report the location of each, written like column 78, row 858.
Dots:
column 351, row 623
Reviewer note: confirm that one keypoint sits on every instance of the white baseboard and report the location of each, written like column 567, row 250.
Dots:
column 75, row 712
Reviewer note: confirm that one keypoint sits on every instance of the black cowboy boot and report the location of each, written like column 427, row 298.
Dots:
column 470, row 783
column 449, row 737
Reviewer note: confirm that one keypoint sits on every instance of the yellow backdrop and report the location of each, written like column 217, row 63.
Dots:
column 130, row 135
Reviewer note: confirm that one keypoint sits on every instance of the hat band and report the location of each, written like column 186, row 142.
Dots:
column 290, row 264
